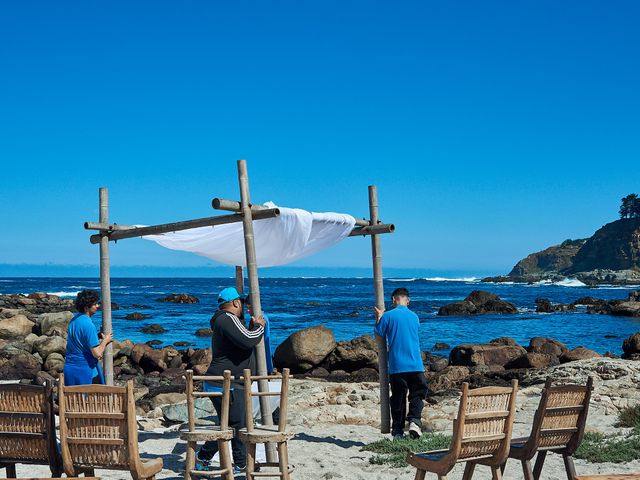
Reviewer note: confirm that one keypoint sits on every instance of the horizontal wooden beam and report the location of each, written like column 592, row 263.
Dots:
column 177, row 226
column 111, row 227
column 233, row 206
column 373, row 230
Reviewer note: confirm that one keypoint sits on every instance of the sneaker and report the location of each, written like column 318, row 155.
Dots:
column 205, row 465
column 415, row 431
column 398, row 436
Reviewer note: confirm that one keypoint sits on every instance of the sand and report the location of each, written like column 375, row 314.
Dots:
column 333, row 422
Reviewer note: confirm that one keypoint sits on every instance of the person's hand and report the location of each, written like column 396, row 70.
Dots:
column 107, row 338
column 259, row 320
column 379, row 312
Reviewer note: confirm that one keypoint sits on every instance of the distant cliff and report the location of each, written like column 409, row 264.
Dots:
column 611, row 255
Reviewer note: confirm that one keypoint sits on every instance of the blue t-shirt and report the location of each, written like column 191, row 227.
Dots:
column 402, row 329
column 81, row 338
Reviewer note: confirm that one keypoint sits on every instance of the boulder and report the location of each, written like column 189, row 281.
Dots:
column 54, row 363
column 438, row 364
column 471, row 355
column 179, row 298
column 167, row 399
column 625, row 309
column 441, row 346
column 548, row 346
column 479, row 302
column 20, row 366
column 505, row 341
column 138, row 351
column 204, row 332
column 200, row 356
column 178, row 412
column 153, row 361
column 448, row 379
column 55, row 323
column 305, row 349
column 587, row 301
column 361, row 352
column 631, row 345
column 136, row 316
column 45, row 346
column 578, row 353
column 16, row 326
column 534, row 360
column 365, row 375
column 543, row 305
column 154, row 328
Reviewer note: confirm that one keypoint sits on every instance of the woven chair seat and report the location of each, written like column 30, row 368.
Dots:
column 210, row 434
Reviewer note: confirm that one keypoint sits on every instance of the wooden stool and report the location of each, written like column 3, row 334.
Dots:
column 253, row 435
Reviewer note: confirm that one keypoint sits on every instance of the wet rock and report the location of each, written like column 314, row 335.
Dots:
column 578, row 353
column 182, row 344
column 625, row 309
column 179, row 298
column 361, row 352
column 154, row 328
column 16, row 326
column 204, row 332
column 305, row 349
column 479, row 302
column 154, row 343
column 441, row 346
column 587, row 301
column 137, row 316
column 543, row 305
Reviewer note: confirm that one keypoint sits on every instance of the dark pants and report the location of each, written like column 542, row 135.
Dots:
column 416, row 384
column 237, row 420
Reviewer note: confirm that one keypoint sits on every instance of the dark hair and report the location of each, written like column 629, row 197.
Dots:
column 85, row 299
column 400, row 292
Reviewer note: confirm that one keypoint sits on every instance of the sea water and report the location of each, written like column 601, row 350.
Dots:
column 345, row 305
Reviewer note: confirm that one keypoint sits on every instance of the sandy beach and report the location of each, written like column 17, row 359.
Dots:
column 333, row 421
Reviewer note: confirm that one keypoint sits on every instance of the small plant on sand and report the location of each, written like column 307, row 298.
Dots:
column 629, row 417
column 394, row 452
column 598, row 448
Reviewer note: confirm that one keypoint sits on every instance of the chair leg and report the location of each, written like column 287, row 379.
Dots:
column 190, row 460
column 283, row 460
column 251, row 460
column 420, row 474
column 442, row 477
column 495, row 473
column 11, row 470
column 569, row 467
column 468, row 470
column 537, row 468
column 225, row 459
column 503, row 466
column 526, row 469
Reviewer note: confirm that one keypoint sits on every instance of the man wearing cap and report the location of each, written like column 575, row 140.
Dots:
column 232, row 345
column 401, row 327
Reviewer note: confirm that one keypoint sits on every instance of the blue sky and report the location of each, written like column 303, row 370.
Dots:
column 492, row 129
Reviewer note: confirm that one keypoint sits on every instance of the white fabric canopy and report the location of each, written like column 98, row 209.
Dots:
column 293, row 235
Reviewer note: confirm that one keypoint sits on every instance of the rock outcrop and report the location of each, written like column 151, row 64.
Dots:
column 479, row 302
column 555, row 259
column 179, row 298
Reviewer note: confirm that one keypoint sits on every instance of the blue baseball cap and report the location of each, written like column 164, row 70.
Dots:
column 228, row 294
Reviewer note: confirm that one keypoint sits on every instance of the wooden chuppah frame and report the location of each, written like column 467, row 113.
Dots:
column 244, row 212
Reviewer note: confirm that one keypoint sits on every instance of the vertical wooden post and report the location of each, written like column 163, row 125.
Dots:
column 239, row 280
column 376, row 255
column 254, row 288
column 105, row 286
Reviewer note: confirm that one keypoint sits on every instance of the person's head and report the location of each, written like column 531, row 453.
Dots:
column 400, row 296
column 230, row 301
column 87, row 302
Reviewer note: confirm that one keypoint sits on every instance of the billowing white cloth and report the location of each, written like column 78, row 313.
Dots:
column 293, row 235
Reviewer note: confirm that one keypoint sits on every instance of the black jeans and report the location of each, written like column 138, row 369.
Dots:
column 237, row 420
column 416, row 384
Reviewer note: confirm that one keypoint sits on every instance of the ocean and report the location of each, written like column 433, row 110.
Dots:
column 345, row 306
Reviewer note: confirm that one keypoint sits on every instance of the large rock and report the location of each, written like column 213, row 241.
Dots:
column 200, row 356
column 45, row 346
column 167, row 399
column 631, row 346
column 543, row 305
column 153, row 361
column 305, row 349
column 20, row 366
column 472, row 355
column 625, row 309
column 16, row 326
column 178, row 412
column 548, row 346
column 361, row 352
column 138, row 351
column 55, row 323
column 479, row 302
column 578, row 353
column 179, row 298
column 534, row 360
column 54, row 363
column 448, row 379
column 554, row 259
column 137, row 316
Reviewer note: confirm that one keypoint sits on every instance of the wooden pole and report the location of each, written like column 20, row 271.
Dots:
column 376, row 255
column 256, row 307
column 105, row 286
column 239, row 280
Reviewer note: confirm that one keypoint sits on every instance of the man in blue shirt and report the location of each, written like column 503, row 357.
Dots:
column 401, row 327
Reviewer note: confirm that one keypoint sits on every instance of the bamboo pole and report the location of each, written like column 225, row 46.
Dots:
column 376, row 254
column 105, row 286
column 123, row 232
column 239, row 280
column 373, row 230
column 256, row 307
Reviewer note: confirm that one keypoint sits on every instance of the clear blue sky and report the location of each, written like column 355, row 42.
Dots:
column 492, row 129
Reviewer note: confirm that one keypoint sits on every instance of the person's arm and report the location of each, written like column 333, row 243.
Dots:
column 380, row 329
column 235, row 330
column 98, row 351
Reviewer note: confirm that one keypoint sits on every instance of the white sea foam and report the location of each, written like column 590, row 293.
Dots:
column 570, row 282
column 436, row 279
column 64, row 294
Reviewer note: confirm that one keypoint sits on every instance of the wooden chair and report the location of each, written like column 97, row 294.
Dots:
column 252, row 435
column 98, row 430
column 222, row 433
column 481, row 434
column 558, row 427
column 27, row 428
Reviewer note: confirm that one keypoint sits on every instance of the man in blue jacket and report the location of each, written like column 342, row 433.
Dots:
column 401, row 327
